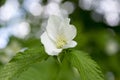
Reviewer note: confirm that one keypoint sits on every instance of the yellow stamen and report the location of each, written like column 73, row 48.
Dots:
column 61, row 41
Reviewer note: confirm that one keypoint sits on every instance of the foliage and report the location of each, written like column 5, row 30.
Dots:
column 21, row 63
column 88, row 68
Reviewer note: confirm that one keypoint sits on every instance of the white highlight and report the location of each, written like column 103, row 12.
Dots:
column 34, row 7
column 112, row 47
column 9, row 10
column 21, row 29
column 109, row 9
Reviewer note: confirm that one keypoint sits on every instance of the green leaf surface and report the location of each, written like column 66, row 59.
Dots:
column 21, row 62
column 49, row 69
column 46, row 70
column 88, row 69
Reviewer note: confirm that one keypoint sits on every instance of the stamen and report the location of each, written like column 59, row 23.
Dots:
column 61, row 41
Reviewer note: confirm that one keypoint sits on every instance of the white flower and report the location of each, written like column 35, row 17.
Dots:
column 59, row 35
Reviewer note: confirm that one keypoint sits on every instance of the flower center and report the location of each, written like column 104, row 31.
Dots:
column 61, row 41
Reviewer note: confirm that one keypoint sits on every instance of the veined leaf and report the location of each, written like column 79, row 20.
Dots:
column 49, row 69
column 88, row 69
column 46, row 70
column 21, row 62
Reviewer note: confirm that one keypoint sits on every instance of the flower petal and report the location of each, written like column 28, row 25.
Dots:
column 69, row 31
column 50, row 47
column 67, row 20
column 70, row 44
column 53, row 26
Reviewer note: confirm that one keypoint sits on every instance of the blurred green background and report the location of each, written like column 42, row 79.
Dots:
column 98, row 33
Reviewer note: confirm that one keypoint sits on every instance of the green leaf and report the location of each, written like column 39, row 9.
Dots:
column 46, row 70
column 88, row 69
column 21, row 62
column 49, row 69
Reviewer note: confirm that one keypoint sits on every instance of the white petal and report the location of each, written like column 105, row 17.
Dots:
column 53, row 26
column 68, row 30
column 71, row 32
column 50, row 48
column 70, row 45
column 67, row 20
